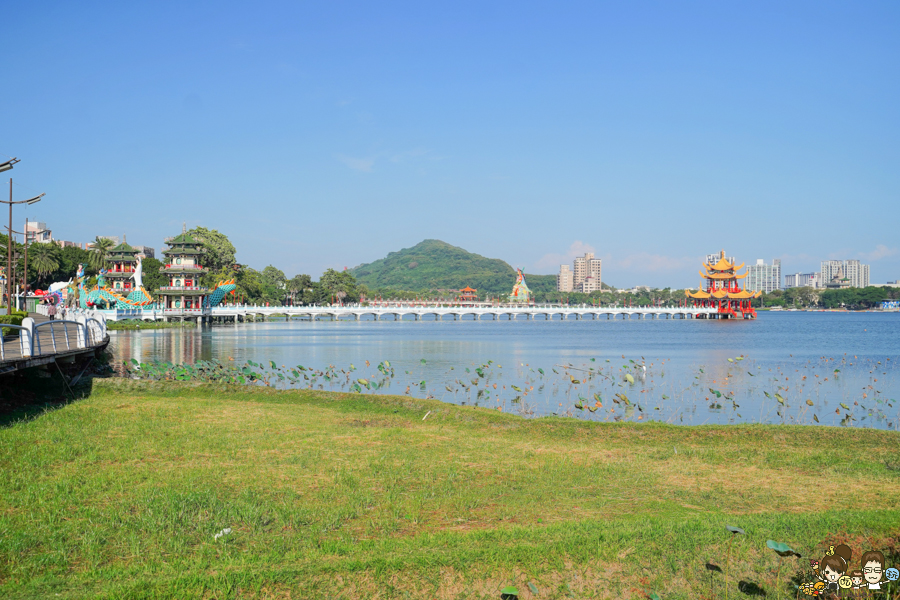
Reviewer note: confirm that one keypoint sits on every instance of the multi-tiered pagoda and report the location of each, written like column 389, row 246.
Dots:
column 720, row 280
column 121, row 261
column 183, row 271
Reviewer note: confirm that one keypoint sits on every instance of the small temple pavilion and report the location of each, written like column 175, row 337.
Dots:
column 467, row 294
column 183, row 271
column 121, row 261
column 719, row 289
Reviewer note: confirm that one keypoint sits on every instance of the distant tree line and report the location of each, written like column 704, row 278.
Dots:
column 850, row 298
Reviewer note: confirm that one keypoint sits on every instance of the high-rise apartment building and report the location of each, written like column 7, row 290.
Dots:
column 762, row 277
column 581, row 268
column 564, row 280
column 592, row 281
column 856, row 272
column 811, row 280
column 584, row 278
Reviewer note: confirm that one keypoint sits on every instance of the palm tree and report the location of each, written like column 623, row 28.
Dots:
column 100, row 251
column 44, row 258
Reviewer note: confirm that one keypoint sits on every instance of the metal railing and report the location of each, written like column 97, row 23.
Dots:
column 84, row 330
column 25, row 336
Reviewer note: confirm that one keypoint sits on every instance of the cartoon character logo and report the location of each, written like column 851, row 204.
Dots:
column 833, row 576
column 873, row 568
column 833, row 566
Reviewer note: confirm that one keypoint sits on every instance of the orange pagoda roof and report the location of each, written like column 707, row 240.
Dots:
column 723, row 275
column 720, row 294
column 467, row 289
column 723, row 265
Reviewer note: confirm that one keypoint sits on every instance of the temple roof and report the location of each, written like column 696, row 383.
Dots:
column 184, row 238
column 723, row 265
column 467, row 289
column 723, row 275
column 721, row 294
column 698, row 294
column 123, row 248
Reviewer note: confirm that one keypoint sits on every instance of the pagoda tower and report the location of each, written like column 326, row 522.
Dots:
column 121, row 261
column 722, row 291
column 183, row 271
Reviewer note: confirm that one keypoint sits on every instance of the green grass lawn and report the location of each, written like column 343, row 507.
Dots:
column 328, row 495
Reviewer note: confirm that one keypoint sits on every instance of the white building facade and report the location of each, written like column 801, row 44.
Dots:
column 762, row 277
column 585, row 277
column 855, row 271
column 811, row 280
column 564, row 280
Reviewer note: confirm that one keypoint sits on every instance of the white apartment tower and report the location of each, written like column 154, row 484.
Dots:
column 585, row 277
column 564, row 281
column 581, row 268
column 762, row 277
column 855, row 271
column 810, row 280
column 592, row 282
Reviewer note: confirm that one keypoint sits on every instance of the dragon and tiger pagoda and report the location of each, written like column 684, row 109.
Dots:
column 121, row 287
column 719, row 289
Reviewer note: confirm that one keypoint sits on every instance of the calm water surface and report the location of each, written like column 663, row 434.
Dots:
column 792, row 367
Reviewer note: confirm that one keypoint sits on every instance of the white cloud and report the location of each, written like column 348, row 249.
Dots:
column 552, row 261
column 364, row 164
column 881, row 251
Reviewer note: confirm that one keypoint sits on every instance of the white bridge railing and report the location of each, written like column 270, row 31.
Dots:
column 418, row 311
column 80, row 330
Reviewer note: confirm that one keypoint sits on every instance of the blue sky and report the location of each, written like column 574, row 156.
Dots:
column 326, row 134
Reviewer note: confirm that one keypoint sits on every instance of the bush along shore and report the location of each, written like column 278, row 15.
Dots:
column 167, row 489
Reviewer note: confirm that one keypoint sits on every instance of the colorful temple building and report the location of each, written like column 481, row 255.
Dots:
column 720, row 290
column 183, row 271
column 520, row 292
column 467, row 294
column 121, row 261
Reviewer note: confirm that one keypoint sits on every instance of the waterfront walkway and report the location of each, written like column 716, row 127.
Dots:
column 40, row 341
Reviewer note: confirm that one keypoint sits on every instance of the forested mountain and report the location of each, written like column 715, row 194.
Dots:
column 436, row 265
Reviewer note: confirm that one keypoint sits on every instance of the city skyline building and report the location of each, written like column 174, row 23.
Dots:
column 565, row 279
column 585, row 277
column 811, row 280
column 762, row 277
column 856, row 273
column 37, row 232
column 145, row 251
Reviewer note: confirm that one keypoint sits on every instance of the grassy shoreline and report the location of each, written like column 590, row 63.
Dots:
column 336, row 495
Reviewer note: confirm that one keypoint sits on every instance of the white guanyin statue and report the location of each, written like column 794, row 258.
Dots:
column 138, row 274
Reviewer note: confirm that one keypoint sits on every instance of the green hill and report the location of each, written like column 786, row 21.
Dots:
column 433, row 265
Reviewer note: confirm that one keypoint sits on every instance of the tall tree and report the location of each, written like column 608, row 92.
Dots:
column 334, row 282
column 297, row 286
column 220, row 252
column 153, row 278
column 100, row 251
column 43, row 258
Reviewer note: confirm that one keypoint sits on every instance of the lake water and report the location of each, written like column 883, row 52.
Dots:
column 791, row 367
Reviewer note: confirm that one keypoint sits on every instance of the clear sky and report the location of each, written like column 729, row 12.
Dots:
column 327, row 134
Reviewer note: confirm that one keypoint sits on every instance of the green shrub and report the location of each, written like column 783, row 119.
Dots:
column 13, row 319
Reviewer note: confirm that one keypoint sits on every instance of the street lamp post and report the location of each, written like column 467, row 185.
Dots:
column 8, row 165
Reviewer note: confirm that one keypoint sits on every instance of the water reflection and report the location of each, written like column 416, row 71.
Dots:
column 688, row 377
